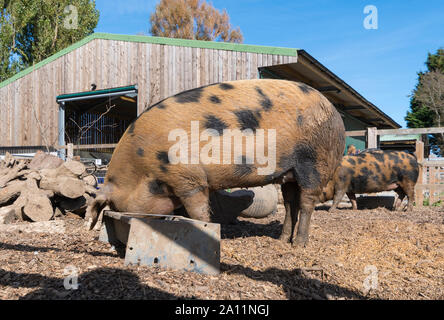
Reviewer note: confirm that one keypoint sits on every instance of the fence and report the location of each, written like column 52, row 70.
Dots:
column 429, row 188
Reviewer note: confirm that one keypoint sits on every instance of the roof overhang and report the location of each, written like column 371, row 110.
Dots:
column 344, row 97
column 104, row 101
column 129, row 91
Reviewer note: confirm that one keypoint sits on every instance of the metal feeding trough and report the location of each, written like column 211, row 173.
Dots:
column 173, row 242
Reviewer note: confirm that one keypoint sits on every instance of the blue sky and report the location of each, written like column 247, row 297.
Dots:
column 380, row 64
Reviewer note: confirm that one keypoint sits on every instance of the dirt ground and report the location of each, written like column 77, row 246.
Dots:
column 365, row 254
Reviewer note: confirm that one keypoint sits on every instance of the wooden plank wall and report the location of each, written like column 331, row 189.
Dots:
column 28, row 106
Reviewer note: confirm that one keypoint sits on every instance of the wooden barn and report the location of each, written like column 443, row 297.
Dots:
column 88, row 93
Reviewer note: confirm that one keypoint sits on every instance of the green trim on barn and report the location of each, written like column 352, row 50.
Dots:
column 400, row 137
column 95, row 92
column 156, row 40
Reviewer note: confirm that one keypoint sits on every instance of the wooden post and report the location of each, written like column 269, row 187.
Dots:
column 70, row 152
column 372, row 137
column 419, row 190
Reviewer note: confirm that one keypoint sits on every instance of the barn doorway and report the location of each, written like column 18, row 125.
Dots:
column 94, row 121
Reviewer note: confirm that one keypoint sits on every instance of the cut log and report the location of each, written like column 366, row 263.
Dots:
column 12, row 174
column 38, row 207
column 44, row 160
column 66, row 186
column 32, row 201
column 19, row 204
column 7, row 215
column 75, row 167
column 70, row 169
column 11, row 191
column 9, row 160
column 90, row 180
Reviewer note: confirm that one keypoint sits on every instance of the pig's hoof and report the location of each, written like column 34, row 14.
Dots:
column 300, row 242
column 284, row 237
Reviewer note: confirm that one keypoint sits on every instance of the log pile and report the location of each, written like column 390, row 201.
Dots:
column 43, row 188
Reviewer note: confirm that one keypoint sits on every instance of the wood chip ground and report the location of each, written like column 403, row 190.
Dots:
column 366, row 254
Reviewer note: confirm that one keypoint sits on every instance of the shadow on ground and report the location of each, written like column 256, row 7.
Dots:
column 102, row 284
column 28, row 248
column 294, row 283
column 250, row 229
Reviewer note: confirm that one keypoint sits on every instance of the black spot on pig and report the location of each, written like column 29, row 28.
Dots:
column 140, row 152
column 188, row 96
column 215, row 99
column 304, row 88
column 226, row 86
column 300, row 120
column 163, row 168
column 359, row 183
column 155, row 187
column 351, row 161
column 345, row 174
column 163, row 156
column 366, row 172
column 247, row 119
column 394, row 157
column 161, row 106
column 413, row 162
column 265, row 100
column 376, row 179
column 131, row 127
column 379, row 156
column 377, row 167
column 243, row 168
column 303, row 160
column 394, row 176
column 213, row 122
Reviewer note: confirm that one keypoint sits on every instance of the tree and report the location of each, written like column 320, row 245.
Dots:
column 193, row 19
column 32, row 30
column 427, row 100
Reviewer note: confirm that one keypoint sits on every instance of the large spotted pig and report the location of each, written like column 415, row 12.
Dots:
column 310, row 140
column 373, row 171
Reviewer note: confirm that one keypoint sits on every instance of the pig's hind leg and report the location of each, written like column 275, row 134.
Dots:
column 401, row 196
column 352, row 197
column 291, row 195
column 339, row 194
column 308, row 198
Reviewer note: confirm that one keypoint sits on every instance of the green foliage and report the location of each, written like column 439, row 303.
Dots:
column 426, row 202
column 422, row 114
column 32, row 30
column 436, row 61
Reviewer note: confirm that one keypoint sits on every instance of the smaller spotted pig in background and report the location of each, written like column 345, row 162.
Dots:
column 373, row 171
